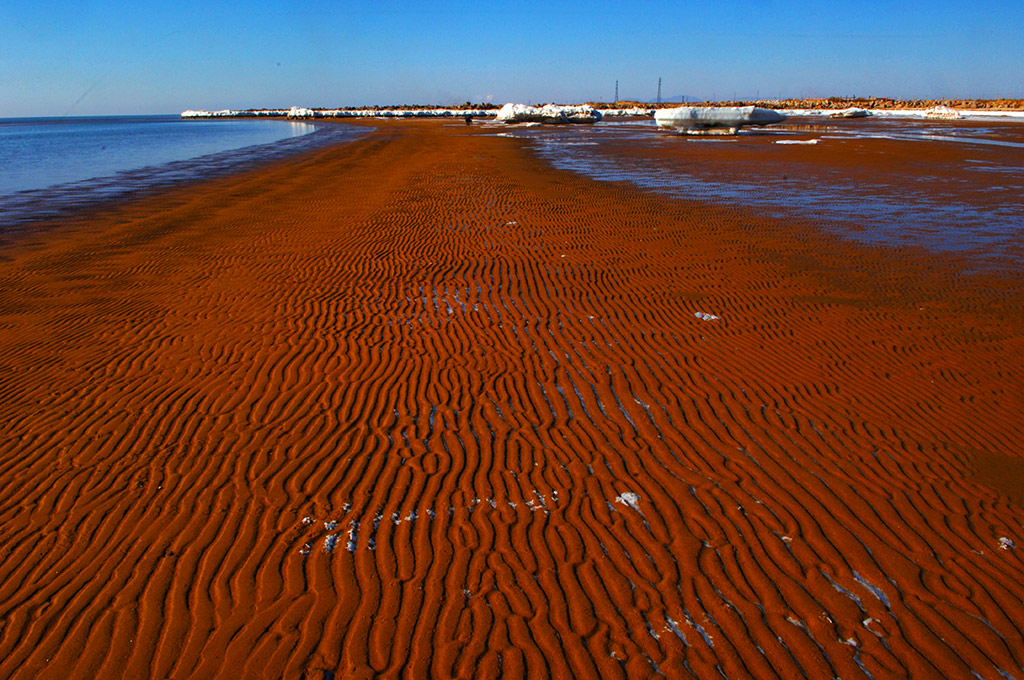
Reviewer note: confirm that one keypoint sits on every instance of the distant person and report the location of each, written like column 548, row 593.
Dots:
column 469, row 118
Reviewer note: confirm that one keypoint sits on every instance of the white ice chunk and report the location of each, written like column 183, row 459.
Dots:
column 699, row 118
column 549, row 113
column 703, row 316
column 942, row 113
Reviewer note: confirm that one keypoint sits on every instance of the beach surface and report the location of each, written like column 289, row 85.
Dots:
column 422, row 406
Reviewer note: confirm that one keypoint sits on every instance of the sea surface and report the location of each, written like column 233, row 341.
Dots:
column 957, row 187
column 54, row 166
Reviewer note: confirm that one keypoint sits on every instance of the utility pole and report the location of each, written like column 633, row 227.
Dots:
column 659, row 90
column 616, row 90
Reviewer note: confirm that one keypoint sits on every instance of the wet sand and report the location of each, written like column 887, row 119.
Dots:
column 421, row 406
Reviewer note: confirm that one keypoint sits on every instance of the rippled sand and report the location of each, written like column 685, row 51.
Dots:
column 421, row 406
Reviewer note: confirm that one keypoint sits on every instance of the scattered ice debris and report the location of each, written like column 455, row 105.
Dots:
column 353, row 536
column 873, row 589
column 1007, row 544
column 704, row 316
column 710, row 641
column 329, row 542
column 674, row 627
column 549, row 113
column 797, row 141
column 629, row 498
column 330, row 525
column 307, row 520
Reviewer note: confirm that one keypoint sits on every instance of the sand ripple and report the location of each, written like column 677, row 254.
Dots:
column 418, row 407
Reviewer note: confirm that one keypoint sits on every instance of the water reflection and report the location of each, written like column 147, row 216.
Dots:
column 963, row 198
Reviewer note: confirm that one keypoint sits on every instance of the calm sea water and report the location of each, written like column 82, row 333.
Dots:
column 51, row 166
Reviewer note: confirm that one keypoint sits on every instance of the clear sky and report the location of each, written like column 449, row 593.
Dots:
column 66, row 57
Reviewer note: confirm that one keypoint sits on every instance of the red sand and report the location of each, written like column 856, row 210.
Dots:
column 470, row 362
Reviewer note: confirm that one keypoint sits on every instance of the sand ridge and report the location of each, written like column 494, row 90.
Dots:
column 418, row 406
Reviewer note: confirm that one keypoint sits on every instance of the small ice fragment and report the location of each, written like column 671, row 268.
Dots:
column 306, row 547
column 629, row 498
column 330, row 525
column 787, row 539
column 674, row 627
column 1006, row 543
column 329, row 543
column 796, row 141
column 307, row 520
column 703, row 316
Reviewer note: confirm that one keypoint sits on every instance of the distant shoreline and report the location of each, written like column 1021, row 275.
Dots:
column 875, row 105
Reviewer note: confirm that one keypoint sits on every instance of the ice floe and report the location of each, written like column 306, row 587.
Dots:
column 710, row 118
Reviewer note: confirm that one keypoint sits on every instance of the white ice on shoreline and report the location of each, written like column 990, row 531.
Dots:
column 942, row 113
column 605, row 113
column 851, row 112
column 302, row 112
column 912, row 113
column 549, row 113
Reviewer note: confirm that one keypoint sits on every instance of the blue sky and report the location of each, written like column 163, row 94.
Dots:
column 61, row 57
